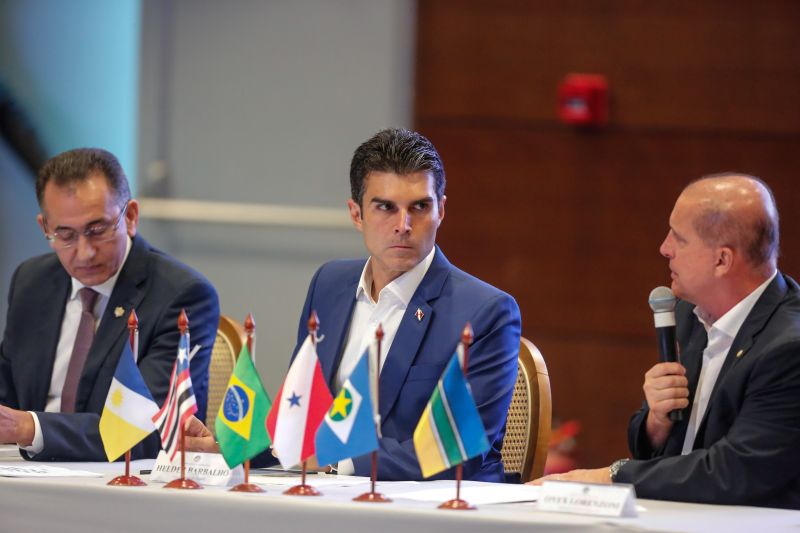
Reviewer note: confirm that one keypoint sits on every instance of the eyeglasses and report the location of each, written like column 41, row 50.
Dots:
column 96, row 233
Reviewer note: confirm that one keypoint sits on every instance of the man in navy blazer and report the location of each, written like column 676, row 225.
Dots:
column 422, row 301
column 91, row 220
column 738, row 382
column 448, row 298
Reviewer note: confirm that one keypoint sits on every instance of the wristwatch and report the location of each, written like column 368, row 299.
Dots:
column 613, row 470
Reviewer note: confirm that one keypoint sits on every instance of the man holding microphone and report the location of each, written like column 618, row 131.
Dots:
column 738, row 379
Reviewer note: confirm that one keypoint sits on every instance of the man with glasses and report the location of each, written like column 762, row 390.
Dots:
column 67, row 313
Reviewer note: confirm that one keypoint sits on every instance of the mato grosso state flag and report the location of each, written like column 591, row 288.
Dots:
column 129, row 408
column 240, row 428
column 299, row 408
column 450, row 430
column 349, row 427
column 180, row 404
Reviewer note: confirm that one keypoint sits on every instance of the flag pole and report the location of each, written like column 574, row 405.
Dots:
column 250, row 329
column 183, row 482
column 302, row 489
column 458, row 504
column 128, row 480
column 373, row 496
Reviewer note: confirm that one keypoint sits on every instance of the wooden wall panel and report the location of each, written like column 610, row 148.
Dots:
column 570, row 221
column 712, row 65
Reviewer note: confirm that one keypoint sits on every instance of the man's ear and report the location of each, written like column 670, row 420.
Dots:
column 355, row 213
column 132, row 217
column 725, row 259
column 40, row 221
column 441, row 208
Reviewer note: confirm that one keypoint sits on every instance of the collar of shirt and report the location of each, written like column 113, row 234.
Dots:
column 729, row 323
column 403, row 287
column 105, row 288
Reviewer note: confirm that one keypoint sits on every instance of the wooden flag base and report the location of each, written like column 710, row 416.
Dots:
column 457, row 505
column 302, row 490
column 374, row 497
column 182, row 483
column 127, row 481
column 246, row 487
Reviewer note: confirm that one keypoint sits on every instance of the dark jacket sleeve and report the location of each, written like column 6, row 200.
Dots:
column 8, row 395
column 638, row 442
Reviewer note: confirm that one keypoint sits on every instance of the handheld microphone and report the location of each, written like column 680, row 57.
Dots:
column 662, row 302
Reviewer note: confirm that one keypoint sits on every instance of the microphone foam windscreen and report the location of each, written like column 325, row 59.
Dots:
column 661, row 300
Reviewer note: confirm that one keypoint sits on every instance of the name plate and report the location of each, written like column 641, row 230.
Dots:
column 205, row 468
column 588, row 498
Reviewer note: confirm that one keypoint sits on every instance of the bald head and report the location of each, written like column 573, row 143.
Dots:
column 737, row 211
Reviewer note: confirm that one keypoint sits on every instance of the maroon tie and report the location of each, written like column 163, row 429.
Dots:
column 83, row 341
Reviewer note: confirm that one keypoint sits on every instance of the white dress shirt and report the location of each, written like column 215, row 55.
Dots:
column 388, row 311
column 66, row 340
column 721, row 335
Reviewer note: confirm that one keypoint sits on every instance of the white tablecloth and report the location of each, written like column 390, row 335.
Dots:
column 82, row 505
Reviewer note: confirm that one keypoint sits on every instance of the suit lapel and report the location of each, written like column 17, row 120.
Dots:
column 46, row 334
column 412, row 330
column 127, row 294
column 759, row 316
column 692, row 358
column 335, row 326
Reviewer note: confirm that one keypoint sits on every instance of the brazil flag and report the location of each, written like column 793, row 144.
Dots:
column 240, row 426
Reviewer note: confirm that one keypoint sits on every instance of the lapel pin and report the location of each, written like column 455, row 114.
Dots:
column 119, row 311
column 419, row 314
column 739, row 353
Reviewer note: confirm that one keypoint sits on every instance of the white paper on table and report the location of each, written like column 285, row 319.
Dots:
column 483, row 495
column 315, row 480
column 43, row 471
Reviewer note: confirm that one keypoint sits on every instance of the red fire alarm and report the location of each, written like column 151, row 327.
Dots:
column 583, row 99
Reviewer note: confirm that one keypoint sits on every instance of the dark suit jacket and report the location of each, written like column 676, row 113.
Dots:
column 150, row 282
column 747, row 445
column 449, row 298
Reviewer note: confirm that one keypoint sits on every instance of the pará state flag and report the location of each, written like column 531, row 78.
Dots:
column 450, row 430
column 349, row 428
column 239, row 426
column 129, row 409
column 299, row 408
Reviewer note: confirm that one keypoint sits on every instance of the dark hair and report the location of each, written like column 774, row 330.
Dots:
column 399, row 151
column 77, row 165
column 758, row 237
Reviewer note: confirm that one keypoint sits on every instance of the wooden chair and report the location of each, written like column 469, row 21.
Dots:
column 230, row 339
column 529, row 416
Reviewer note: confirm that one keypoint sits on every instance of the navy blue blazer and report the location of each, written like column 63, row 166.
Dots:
column 157, row 287
column 746, row 448
column 448, row 298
